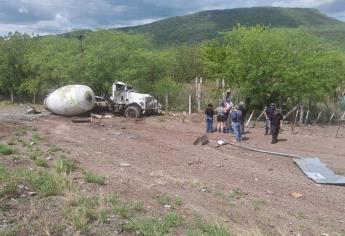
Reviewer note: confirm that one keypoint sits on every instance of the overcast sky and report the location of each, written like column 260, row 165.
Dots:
column 58, row 16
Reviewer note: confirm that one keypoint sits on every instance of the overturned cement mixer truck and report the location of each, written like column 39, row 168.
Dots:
column 73, row 100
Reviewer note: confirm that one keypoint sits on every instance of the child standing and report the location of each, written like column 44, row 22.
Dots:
column 209, row 112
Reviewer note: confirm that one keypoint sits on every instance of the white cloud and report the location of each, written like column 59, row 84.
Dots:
column 23, row 10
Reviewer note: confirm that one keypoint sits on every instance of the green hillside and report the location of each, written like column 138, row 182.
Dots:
column 207, row 24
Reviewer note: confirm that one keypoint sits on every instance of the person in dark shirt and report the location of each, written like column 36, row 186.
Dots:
column 209, row 112
column 269, row 112
column 276, row 122
column 243, row 111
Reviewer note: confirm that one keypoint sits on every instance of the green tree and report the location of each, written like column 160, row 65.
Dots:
column 13, row 60
column 266, row 64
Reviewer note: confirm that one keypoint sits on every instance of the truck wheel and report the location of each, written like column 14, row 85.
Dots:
column 132, row 112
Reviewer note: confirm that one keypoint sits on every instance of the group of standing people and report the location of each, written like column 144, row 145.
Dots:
column 230, row 118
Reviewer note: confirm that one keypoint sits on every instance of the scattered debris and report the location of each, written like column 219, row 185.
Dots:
column 96, row 116
column 125, row 165
column 82, row 120
column 167, row 206
column 296, row 194
column 20, row 186
column 29, row 109
column 194, row 162
column 220, row 165
column 202, row 139
column 32, row 193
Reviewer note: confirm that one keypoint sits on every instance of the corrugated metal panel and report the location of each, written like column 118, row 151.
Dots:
column 314, row 169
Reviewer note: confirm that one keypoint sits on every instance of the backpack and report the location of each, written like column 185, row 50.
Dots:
column 236, row 116
column 220, row 111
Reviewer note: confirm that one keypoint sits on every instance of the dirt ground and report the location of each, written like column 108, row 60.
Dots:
column 244, row 190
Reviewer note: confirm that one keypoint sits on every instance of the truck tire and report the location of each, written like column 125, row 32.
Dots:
column 132, row 112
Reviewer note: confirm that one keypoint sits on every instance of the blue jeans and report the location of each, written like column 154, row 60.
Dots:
column 209, row 124
column 237, row 130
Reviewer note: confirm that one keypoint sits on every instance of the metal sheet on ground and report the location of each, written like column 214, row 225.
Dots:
column 314, row 169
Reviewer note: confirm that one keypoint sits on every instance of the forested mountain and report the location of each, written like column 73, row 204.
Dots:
column 208, row 24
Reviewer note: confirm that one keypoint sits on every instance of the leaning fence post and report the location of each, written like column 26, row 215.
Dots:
column 250, row 117
column 318, row 117
column 306, row 118
column 329, row 121
column 257, row 119
column 339, row 125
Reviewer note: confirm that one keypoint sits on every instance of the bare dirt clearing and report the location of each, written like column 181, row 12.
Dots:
column 247, row 191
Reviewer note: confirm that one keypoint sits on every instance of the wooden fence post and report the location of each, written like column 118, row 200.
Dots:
column 166, row 101
column 294, row 123
column 301, row 115
column 190, row 104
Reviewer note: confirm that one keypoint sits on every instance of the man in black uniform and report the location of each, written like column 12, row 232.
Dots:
column 269, row 113
column 276, row 121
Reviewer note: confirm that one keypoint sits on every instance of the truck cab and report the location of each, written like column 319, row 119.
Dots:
column 130, row 103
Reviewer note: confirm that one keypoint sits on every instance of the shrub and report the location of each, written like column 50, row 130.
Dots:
column 154, row 226
column 93, row 178
column 6, row 150
column 65, row 166
column 41, row 163
column 48, row 183
column 82, row 210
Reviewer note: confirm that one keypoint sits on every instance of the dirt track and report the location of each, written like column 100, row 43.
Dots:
column 243, row 189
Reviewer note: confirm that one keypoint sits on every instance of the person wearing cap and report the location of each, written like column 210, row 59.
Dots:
column 269, row 112
column 276, row 122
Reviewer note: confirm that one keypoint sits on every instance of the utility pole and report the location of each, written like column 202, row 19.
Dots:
column 80, row 37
